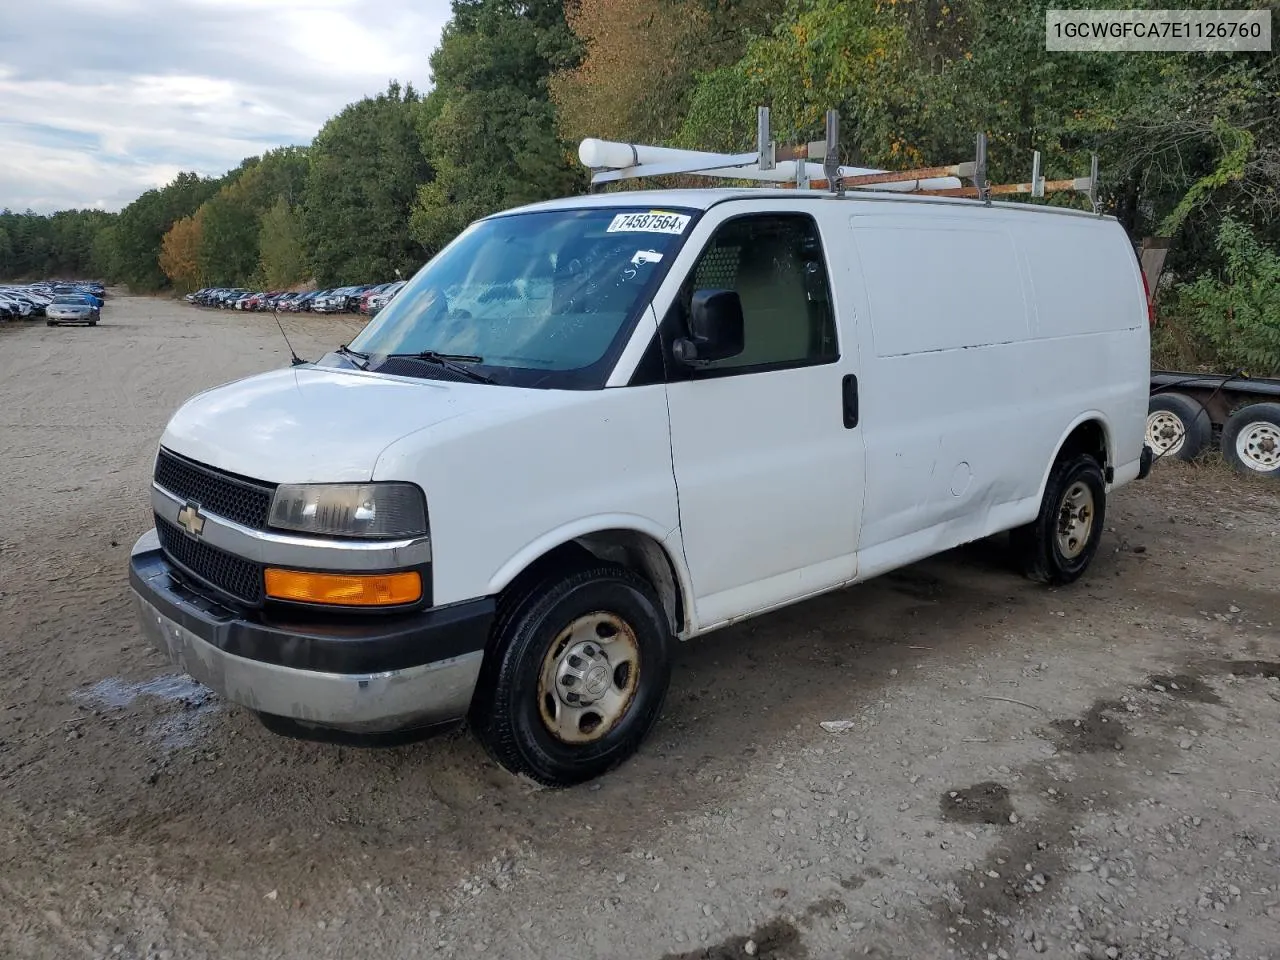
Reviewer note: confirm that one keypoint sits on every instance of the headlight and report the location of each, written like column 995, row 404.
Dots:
column 350, row 509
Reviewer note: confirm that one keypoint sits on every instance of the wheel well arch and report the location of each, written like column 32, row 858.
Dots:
column 1089, row 434
column 637, row 550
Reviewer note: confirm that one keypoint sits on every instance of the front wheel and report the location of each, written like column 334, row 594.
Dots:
column 575, row 677
column 1058, row 546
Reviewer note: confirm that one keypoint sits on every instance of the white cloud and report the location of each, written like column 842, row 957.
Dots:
column 140, row 89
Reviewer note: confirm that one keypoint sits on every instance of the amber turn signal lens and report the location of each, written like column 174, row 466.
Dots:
column 345, row 589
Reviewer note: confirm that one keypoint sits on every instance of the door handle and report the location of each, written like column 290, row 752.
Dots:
column 849, row 389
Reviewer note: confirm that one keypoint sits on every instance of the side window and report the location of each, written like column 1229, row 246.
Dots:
column 775, row 264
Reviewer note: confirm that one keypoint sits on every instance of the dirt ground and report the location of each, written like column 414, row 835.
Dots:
column 1090, row 771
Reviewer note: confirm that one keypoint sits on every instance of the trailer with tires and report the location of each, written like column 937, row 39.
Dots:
column 1192, row 413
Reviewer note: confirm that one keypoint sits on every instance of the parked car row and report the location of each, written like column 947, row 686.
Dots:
column 364, row 298
column 31, row 301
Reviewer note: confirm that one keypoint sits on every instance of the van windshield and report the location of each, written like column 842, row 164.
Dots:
column 541, row 299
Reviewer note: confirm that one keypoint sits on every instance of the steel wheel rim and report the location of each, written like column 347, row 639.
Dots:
column 1165, row 432
column 1258, row 446
column 1075, row 519
column 589, row 678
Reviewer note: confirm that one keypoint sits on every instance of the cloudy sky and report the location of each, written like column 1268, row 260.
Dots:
column 103, row 99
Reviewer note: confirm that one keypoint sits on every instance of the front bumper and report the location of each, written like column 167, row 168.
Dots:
column 375, row 675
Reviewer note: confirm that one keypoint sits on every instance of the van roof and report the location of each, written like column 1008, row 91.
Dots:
column 705, row 198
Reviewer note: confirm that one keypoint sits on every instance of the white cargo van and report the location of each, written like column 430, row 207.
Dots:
column 592, row 427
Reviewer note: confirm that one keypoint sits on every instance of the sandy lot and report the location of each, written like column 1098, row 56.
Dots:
column 1084, row 772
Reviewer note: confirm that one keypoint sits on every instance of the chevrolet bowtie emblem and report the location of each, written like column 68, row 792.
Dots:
column 190, row 520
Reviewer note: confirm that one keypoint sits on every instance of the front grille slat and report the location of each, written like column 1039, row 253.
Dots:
column 236, row 576
column 237, row 499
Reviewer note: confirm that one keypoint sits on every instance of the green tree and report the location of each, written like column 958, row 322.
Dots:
column 283, row 258
column 142, row 225
column 490, row 131
column 103, row 259
column 228, row 249
column 1237, row 311
column 34, row 246
column 366, row 165
column 1180, row 136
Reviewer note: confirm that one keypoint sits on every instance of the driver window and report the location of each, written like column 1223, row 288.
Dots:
column 775, row 264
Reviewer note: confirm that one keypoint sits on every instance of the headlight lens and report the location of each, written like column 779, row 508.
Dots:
column 351, row 509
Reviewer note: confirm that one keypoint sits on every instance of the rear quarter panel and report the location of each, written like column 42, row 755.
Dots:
column 986, row 335
column 1090, row 322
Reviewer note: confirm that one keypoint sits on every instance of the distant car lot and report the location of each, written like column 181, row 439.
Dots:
column 365, row 299
column 31, row 301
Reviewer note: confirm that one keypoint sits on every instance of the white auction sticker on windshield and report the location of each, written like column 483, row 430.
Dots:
column 655, row 221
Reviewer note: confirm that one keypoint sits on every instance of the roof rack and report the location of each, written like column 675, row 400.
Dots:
column 816, row 165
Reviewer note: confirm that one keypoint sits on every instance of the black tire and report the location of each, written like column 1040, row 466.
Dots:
column 1036, row 545
column 1196, row 426
column 506, row 714
column 1261, row 450
column 51, row 323
column 93, row 323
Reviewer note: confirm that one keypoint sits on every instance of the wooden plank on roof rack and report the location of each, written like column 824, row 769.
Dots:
column 1080, row 184
column 800, row 152
column 924, row 173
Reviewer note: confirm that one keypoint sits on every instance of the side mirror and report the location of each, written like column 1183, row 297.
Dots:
column 715, row 325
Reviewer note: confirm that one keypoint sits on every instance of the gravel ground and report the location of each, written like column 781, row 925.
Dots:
column 1081, row 772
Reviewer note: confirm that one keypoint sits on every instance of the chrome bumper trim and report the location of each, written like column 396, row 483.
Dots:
column 436, row 692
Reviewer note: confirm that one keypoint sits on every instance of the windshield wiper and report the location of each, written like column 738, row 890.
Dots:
column 451, row 361
column 355, row 353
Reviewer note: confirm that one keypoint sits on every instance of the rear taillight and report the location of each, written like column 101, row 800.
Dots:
column 1151, row 306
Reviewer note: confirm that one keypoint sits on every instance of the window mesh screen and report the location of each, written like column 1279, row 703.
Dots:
column 718, row 269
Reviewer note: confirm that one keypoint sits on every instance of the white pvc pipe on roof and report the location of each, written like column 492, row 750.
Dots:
column 612, row 155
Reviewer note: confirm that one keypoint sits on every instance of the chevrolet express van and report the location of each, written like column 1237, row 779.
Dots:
column 591, row 427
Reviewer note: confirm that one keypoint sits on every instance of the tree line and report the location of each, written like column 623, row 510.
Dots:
column 1189, row 143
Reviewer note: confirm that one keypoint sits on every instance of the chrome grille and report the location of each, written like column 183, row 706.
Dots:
column 238, row 499
column 240, row 578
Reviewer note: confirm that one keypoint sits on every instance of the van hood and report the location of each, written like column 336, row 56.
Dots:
column 310, row 425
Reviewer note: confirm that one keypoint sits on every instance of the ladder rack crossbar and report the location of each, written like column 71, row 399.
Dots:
column 792, row 167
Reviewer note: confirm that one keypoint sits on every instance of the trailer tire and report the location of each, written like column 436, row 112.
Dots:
column 1177, row 426
column 1251, row 440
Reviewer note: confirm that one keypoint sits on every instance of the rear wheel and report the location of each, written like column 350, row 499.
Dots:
column 576, row 676
column 1058, row 546
column 1177, row 426
column 1251, row 440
